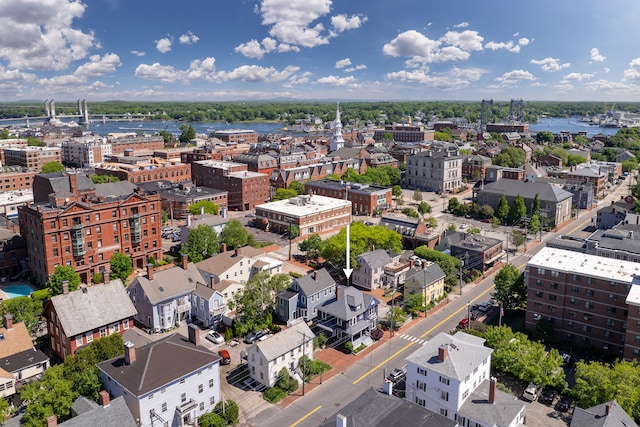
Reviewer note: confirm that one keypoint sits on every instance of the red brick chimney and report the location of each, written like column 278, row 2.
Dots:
column 103, row 398
column 8, row 321
column 411, row 263
column 73, row 183
column 65, row 287
column 185, row 261
column 106, row 276
column 150, row 271
column 314, row 275
column 223, row 247
column 607, row 408
column 443, row 352
column 424, row 264
column 493, row 388
column 52, row 421
column 194, row 335
column 337, row 291
column 129, row 353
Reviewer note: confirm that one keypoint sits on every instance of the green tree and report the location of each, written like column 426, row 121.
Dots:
column 545, row 136
column 257, row 300
column 502, row 212
column 294, row 231
column 414, row 304
column 164, row 217
column 229, row 411
column 51, row 167
column 102, row 179
column 518, row 209
column 202, row 243
column 208, row 205
column 396, row 192
column 454, row 205
column 629, row 165
column 517, row 238
column 25, row 309
column 166, row 136
column 312, row 245
column 211, row 419
column 363, row 239
column 297, row 186
column 60, row 274
column 473, row 230
column 234, row 235
column 121, row 267
column 417, row 195
column 431, row 222
column 534, row 224
column 535, row 205
column 54, row 394
column 424, row 208
column 508, row 291
column 188, row 133
column 495, row 223
column 284, row 194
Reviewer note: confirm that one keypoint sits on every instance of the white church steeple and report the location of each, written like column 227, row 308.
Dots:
column 337, row 141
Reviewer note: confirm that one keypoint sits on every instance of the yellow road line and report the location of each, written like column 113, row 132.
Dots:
column 306, row 416
column 384, row 362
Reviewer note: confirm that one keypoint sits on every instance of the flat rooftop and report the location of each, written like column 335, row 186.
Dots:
column 587, row 265
column 299, row 207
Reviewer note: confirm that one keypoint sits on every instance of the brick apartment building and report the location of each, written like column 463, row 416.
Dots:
column 22, row 180
column 245, row 189
column 176, row 199
column 141, row 169
column 591, row 301
column 365, row 199
column 84, row 153
column 74, row 222
column 405, row 133
column 136, row 143
column 246, row 136
column 31, row 157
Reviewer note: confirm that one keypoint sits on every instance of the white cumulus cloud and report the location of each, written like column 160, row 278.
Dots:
column 341, row 23
column 343, row 63
column 189, row 38
column 633, row 72
column 512, row 78
column 596, row 56
column 337, row 81
column 356, row 68
column 97, row 67
column 202, row 69
column 163, row 45
column 465, row 40
column 461, row 25
column 40, row 36
column 578, row 76
column 550, row 64
column 137, row 53
column 156, row 71
column 255, row 73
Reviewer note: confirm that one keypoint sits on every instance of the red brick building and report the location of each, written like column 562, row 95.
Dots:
column 245, row 189
column 237, row 135
column 135, row 143
column 17, row 180
column 365, row 199
column 147, row 170
column 31, row 157
column 71, row 222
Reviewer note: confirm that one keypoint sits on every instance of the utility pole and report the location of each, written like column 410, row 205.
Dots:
column 304, row 359
column 463, row 259
column 289, row 219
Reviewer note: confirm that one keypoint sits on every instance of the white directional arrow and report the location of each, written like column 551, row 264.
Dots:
column 348, row 270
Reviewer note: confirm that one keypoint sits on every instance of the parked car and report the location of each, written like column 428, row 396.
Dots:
column 531, row 393
column 485, row 306
column 397, row 374
column 215, row 337
column 567, row 359
column 226, row 358
column 254, row 336
column 463, row 324
column 548, row 396
column 564, row 404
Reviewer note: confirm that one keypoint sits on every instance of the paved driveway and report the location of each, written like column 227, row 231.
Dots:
column 540, row 415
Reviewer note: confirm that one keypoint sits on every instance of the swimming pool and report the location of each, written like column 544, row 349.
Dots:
column 13, row 291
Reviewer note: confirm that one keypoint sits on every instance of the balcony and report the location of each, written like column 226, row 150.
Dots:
column 77, row 240
column 183, row 304
column 136, row 229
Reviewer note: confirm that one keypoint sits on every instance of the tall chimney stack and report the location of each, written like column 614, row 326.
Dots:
column 106, row 276
column 52, row 421
column 103, row 398
column 129, row 353
column 607, row 408
column 194, row 336
column 150, row 271
column 8, row 321
column 185, row 261
column 493, row 388
column 443, row 352
column 65, row 287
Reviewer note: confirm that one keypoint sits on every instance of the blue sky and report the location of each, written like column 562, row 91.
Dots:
column 248, row 50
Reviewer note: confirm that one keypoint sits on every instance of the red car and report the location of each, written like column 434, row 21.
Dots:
column 464, row 323
column 226, row 358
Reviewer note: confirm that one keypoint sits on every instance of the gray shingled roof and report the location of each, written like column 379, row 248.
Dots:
column 345, row 307
column 596, row 416
column 375, row 259
column 310, row 286
column 115, row 415
column 220, row 263
column 466, row 352
column 501, row 413
column 373, row 409
column 170, row 283
column 92, row 307
column 204, row 291
column 426, row 276
column 283, row 342
column 528, row 190
column 115, row 189
column 155, row 364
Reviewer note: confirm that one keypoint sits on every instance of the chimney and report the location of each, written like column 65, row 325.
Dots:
column 103, row 398
column 424, row 264
column 8, row 321
column 314, row 275
column 223, row 247
column 337, row 291
column 607, row 408
column 150, row 271
column 185, row 261
column 52, row 421
column 129, row 353
column 341, row 420
column 493, row 388
column 188, row 220
column 237, row 251
column 194, row 335
column 73, row 183
column 212, row 285
column 411, row 263
column 65, row 287
column 443, row 352
column 105, row 276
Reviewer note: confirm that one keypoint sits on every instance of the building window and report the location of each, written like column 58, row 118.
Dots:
column 200, row 388
column 78, row 340
column 540, row 270
column 164, row 407
column 202, row 406
column 211, row 383
column 443, row 412
column 103, row 331
column 554, row 273
column 575, row 290
column 88, row 337
column 589, row 292
column 421, row 386
column 444, row 395
column 444, row 380
column 183, row 397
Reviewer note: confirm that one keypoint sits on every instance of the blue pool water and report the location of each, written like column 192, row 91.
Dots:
column 13, row 291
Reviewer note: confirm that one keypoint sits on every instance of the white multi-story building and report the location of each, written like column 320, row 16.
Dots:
column 85, row 152
column 265, row 359
column 170, row 382
column 437, row 169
